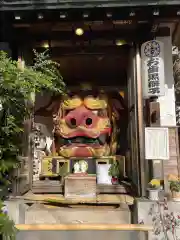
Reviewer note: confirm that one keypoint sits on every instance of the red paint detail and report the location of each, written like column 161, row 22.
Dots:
column 82, row 152
column 81, row 145
column 84, row 133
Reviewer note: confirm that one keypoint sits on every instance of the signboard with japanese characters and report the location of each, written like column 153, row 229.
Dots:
column 153, row 77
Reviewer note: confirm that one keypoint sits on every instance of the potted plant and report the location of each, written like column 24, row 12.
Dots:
column 174, row 184
column 153, row 189
column 114, row 172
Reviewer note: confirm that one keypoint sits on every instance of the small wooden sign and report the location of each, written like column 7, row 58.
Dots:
column 154, row 109
column 80, row 186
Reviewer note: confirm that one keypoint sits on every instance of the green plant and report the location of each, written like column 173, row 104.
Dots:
column 174, row 183
column 7, row 227
column 50, row 71
column 16, row 86
column 114, row 169
column 174, row 186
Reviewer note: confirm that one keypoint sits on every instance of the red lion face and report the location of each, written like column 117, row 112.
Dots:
column 85, row 126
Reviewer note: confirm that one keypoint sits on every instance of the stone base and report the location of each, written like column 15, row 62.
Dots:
column 53, row 186
column 142, row 210
column 76, row 235
column 21, row 213
column 80, row 186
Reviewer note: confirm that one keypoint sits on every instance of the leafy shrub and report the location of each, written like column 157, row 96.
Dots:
column 17, row 84
column 16, row 87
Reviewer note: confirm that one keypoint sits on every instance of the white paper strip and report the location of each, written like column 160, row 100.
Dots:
column 102, row 174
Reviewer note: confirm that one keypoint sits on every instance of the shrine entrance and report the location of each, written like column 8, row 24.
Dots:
column 88, row 135
column 86, row 143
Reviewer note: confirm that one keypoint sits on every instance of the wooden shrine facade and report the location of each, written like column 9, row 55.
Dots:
column 27, row 24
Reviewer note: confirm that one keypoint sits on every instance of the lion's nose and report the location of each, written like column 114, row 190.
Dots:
column 75, row 121
column 81, row 117
column 72, row 121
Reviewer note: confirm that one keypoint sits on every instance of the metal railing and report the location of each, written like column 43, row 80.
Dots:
column 83, row 231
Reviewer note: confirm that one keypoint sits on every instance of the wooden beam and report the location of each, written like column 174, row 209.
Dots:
column 120, row 34
column 81, row 227
column 81, row 50
column 68, row 37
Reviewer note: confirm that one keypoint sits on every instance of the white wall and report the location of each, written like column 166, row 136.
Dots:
column 167, row 102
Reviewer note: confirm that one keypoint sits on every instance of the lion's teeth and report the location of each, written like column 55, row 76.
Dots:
column 102, row 139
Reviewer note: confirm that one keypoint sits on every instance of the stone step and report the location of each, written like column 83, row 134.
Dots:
column 76, row 235
column 23, row 213
column 41, row 214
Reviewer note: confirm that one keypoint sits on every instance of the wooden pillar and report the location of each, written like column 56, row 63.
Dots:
column 172, row 166
column 140, row 126
column 132, row 156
